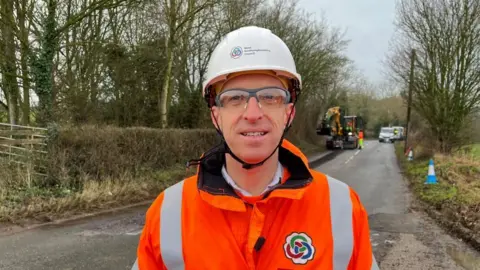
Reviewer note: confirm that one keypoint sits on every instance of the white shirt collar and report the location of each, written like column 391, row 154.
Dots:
column 276, row 180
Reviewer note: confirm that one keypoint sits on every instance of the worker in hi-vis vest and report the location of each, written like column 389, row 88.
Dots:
column 254, row 202
column 360, row 139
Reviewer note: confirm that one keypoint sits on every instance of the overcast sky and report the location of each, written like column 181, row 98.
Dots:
column 369, row 26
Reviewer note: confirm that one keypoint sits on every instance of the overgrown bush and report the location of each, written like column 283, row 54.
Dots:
column 103, row 152
column 111, row 152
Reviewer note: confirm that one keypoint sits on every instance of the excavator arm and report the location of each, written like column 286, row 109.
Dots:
column 333, row 122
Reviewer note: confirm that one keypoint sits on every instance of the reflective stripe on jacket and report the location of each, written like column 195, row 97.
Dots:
column 309, row 221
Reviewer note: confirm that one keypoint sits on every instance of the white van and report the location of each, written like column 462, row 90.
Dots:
column 386, row 135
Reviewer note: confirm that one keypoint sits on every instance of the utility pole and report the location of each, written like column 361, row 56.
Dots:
column 409, row 105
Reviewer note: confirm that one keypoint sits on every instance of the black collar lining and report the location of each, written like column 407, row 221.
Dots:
column 210, row 178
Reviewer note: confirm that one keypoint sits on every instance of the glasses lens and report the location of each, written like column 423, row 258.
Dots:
column 233, row 98
column 272, row 97
column 267, row 97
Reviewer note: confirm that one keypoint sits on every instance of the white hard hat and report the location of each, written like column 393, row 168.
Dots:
column 250, row 48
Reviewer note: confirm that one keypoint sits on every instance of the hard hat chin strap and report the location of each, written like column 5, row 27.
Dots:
column 247, row 165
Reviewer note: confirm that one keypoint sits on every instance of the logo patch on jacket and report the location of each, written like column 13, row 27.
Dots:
column 299, row 248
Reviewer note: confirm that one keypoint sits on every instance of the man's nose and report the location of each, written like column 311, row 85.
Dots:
column 253, row 111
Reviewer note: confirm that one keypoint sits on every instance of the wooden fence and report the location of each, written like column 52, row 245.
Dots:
column 25, row 146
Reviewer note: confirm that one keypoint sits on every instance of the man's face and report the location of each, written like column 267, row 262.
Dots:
column 252, row 133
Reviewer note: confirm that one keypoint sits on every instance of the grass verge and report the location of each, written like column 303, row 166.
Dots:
column 20, row 205
column 455, row 200
column 472, row 151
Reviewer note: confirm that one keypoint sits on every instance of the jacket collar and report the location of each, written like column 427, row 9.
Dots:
column 215, row 189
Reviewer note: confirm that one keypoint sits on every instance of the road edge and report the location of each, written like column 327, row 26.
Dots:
column 452, row 228
column 313, row 162
column 14, row 228
column 321, row 159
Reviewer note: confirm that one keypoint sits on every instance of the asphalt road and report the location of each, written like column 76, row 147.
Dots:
column 402, row 239
column 108, row 242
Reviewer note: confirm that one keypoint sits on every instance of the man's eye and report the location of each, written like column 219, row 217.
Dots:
column 236, row 98
column 233, row 100
column 271, row 98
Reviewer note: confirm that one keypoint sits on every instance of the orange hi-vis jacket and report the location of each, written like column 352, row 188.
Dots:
column 308, row 221
column 360, row 135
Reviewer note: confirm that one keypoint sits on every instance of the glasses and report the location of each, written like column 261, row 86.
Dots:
column 267, row 97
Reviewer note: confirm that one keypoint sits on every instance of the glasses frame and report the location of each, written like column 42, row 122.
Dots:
column 252, row 93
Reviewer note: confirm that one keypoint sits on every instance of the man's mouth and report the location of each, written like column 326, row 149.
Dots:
column 253, row 134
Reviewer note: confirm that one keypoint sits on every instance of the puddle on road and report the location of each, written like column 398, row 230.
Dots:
column 128, row 225
column 394, row 223
column 464, row 259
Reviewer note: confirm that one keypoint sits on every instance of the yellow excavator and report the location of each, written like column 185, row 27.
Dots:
column 341, row 131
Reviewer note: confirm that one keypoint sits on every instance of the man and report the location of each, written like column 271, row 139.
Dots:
column 360, row 139
column 254, row 202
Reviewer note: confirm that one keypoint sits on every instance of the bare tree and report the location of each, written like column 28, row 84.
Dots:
column 9, row 67
column 43, row 59
column 446, row 36
column 179, row 15
column 24, row 11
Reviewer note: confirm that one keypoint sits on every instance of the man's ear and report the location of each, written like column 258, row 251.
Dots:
column 214, row 114
column 289, row 110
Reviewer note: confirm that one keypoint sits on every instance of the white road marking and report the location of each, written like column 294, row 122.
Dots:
column 350, row 158
column 134, row 233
